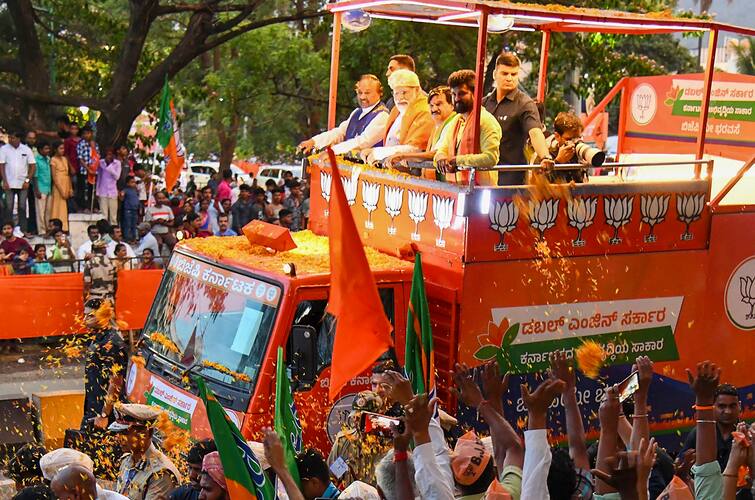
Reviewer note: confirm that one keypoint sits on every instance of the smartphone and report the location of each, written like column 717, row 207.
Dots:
column 375, row 423
column 629, row 386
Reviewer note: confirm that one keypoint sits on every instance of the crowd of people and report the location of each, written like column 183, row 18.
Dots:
column 428, row 134
column 428, row 454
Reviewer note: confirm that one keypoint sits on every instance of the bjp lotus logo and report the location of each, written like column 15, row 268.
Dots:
column 503, row 218
column 543, row 214
column 496, row 342
column 417, row 210
column 618, row 213
column 325, row 183
column 350, row 186
column 747, row 290
column 394, row 198
column 689, row 208
column 653, row 210
column 581, row 214
column 370, row 197
column 443, row 211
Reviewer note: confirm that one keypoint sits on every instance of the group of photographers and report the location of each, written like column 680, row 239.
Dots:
column 431, row 134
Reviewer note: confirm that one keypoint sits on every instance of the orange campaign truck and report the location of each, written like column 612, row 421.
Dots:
column 658, row 260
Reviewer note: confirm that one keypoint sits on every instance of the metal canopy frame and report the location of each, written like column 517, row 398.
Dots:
column 528, row 17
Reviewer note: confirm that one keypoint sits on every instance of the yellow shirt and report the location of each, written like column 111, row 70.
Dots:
column 490, row 140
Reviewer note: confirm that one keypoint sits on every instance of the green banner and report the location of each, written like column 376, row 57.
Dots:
column 621, row 348
column 181, row 418
column 741, row 111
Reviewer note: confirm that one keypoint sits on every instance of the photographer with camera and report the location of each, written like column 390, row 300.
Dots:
column 565, row 146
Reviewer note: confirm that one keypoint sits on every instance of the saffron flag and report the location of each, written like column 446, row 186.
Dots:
column 169, row 139
column 363, row 332
column 243, row 474
column 286, row 420
column 420, row 359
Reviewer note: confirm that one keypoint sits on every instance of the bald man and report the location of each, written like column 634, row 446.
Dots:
column 74, row 482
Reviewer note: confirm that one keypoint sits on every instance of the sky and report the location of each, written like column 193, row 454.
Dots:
column 739, row 12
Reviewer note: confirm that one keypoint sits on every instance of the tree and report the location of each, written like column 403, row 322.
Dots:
column 743, row 48
column 113, row 56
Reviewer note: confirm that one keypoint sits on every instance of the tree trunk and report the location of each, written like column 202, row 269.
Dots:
column 228, row 138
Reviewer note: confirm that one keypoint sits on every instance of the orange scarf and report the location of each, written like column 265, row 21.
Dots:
column 464, row 144
column 95, row 162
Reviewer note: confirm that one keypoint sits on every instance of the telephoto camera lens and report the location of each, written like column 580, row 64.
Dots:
column 589, row 155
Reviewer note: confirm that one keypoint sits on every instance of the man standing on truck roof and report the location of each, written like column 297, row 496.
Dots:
column 518, row 117
column 364, row 126
column 458, row 147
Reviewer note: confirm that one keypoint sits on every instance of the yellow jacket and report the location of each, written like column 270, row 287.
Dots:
column 416, row 125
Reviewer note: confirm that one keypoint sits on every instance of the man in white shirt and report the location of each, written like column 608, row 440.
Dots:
column 160, row 216
column 362, row 129
column 147, row 240
column 17, row 167
column 85, row 250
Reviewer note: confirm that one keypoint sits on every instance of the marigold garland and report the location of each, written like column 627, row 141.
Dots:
column 241, row 377
column 159, row 338
column 590, row 356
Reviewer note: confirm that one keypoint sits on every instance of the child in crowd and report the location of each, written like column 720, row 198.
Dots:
column 6, row 269
column 23, row 262
column 130, row 209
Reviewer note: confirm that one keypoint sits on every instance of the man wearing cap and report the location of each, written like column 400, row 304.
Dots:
column 212, row 481
column 100, row 276
column 360, row 453
column 145, row 472
column 363, row 128
column 410, row 122
column 64, row 458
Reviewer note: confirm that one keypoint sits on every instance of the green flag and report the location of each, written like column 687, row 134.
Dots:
column 286, row 420
column 243, row 474
column 420, row 360
column 165, row 117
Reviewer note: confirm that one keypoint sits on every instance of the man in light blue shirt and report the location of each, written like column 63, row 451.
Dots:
column 223, row 227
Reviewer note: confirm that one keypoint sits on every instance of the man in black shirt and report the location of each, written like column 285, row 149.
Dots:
column 194, row 458
column 518, row 116
column 243, row 210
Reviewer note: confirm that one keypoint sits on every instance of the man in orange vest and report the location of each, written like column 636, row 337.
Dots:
column 459, row 149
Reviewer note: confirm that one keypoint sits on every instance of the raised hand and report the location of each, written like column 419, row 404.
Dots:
column 401, row 440
column 401, row 388
column 645, row 461
column 704, row 383
column 466, row 388
column 493, row 384
column 621, row 474
column 418, row 412
column 274, row 450
column 538, row 402
column 563, row 369
column 644, row 367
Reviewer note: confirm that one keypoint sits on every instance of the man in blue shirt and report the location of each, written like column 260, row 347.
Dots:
column 314, row 475
column 223, row 229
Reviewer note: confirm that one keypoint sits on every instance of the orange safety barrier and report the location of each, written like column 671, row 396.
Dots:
column 41, row 305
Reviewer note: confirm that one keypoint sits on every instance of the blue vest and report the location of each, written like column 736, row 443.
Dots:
column 357, row 125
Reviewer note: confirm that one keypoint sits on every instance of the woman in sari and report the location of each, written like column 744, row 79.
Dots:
column 62, row 189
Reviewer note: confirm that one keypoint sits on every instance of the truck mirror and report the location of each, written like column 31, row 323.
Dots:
column 304, row 356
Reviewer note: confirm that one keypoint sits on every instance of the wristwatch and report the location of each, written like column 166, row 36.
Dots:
column 26, row 180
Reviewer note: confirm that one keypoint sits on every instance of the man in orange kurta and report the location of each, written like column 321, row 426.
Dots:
column 410, row 122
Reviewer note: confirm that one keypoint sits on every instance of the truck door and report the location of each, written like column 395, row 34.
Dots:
column 309, row 352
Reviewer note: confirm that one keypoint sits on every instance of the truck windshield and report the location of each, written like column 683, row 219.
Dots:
column 212, row 319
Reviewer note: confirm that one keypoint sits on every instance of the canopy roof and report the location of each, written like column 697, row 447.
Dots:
column 531, row 17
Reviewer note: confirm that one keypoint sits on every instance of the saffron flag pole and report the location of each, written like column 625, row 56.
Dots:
column 420, row 359
column 169, row 138
column 286, row 420
column 363, row 332
column 243, row 473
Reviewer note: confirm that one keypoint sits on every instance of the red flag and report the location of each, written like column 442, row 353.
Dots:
column 363, row 332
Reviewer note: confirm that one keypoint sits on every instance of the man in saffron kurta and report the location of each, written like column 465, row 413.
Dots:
column 458, row 148
column 362, row 129
column 410, row 122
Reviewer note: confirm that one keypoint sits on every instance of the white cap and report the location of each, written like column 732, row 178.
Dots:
column 360, row 490
column 403, row 78
column 51, row 463
column 259, row 452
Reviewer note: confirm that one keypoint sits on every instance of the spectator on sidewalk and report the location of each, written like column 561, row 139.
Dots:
column 62, row 189
column 23, row 262
column 293, row 203
column 148, row 260
column 41, row 265
column 108, row 173
column 53, row 226
column 275, row 206
column 286, row 219
column 207, row 225
column 190, row 228
column 88, row 153
column 131, row 207
column 243, row 211
column 118, row 237
column 223, row 227
column 17, row 166
column 12, row 243
column 147, row 239
column 224, row 187
column 160, row 216
column 121, row 259
column 61, row 250
column 84, row 252
column 186, row 209
column 43, row 187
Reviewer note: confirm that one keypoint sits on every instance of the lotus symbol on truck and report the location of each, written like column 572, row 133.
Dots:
column 443, row 211
column 543, row 215
column 747, row 290
column 581, row 214
column 618, row 213
column 503, row 218
column 394, row 198
column 417, row 210
column 689, row 208
column 370, row 197
column 325, row 183
column 350, row 186
column 653, row 210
